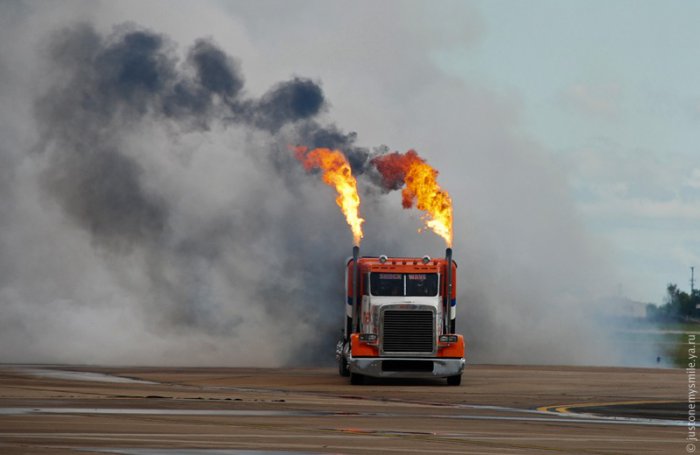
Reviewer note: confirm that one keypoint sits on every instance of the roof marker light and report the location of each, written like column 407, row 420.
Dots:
column 383, row 258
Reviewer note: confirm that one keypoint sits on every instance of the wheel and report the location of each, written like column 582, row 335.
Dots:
column 454, row 380
column 356, row 379
column 343, row 367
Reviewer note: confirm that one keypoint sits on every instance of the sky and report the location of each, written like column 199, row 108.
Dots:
column 151, row 212
column 610, row 90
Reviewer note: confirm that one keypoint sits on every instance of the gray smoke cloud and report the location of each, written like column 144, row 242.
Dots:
column 134, row 268
column 151, row 211
column 195, row 272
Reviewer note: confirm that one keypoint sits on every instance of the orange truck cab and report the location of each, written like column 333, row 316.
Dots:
column 400, row 319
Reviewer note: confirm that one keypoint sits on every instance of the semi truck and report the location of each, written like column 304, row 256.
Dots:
column 400, row 319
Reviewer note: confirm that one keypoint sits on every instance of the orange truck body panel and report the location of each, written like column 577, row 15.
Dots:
column 453, row 350
column 361, row 349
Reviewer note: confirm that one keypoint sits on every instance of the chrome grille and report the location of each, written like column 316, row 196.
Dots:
column 408, row 331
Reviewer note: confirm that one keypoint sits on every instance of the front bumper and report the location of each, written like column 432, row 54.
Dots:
column 375, row 367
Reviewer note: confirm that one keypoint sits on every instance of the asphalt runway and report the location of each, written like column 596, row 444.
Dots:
column 240, row 411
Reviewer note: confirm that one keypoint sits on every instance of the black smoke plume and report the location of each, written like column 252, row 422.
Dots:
column 116, row 80
column 106, row 91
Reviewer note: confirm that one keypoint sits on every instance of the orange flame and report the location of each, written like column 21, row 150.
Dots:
column 337, row 174
column 421, row 188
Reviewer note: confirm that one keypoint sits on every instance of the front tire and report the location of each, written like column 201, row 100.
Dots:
column 454, row 380
column 343, row 369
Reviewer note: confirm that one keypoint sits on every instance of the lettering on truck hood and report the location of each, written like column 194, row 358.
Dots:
column 377, row 300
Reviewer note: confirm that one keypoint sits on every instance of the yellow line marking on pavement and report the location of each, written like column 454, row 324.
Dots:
column 567, row 408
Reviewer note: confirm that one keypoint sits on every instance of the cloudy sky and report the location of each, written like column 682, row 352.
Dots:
column 609, row 90
column 130, row 208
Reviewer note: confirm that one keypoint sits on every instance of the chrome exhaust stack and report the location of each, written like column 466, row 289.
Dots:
column 448, row 292
column 355, row 270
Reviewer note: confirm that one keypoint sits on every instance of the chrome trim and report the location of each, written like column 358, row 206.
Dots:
column 372, row 366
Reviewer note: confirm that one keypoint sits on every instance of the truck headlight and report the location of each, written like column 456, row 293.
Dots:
column 447, row 339
column 368, row 337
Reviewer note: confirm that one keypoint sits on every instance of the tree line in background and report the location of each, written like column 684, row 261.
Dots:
column 678, row 306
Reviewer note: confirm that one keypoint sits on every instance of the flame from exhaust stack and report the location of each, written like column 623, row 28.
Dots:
column 338, row 174
column 421, row 188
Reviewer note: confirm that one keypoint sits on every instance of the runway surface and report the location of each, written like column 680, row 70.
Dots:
column 237, row 411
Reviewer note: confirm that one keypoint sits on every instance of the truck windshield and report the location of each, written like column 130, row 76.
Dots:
column 404, row 284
